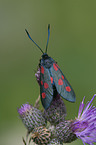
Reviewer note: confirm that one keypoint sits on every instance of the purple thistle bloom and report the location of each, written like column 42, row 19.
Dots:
column 31, row 117
column 24, row 109
column 84, row 126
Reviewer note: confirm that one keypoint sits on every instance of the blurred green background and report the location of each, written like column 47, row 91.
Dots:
column 72, row 44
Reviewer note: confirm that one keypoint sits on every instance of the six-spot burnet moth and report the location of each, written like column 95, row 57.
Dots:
column 52, row 80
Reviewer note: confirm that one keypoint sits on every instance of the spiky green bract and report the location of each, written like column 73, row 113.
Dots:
column 56, row 112
column 31, row 117
column 54, row 142
column 64, row 132
column 40, row 135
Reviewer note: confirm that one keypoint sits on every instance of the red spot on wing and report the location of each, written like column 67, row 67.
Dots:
column 46, row 85
column 43, row 95
column 60, row 82
column 55, row 66
column 51, row 80
column 41, row 83
column 68, row 89
column 62, row 77
column 42, row 69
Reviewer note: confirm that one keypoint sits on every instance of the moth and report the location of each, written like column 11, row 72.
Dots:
column 52, row 80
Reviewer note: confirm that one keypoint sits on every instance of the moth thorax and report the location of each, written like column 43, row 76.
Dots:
column 48, row 63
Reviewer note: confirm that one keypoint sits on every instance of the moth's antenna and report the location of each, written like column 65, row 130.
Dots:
column 33, row 41
column 48, row 37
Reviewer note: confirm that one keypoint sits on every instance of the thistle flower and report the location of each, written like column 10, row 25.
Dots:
column 40, row 135
column 84, row 126
column 56, row 112
column 54, row 142
column 31, row 117
column 64, row 132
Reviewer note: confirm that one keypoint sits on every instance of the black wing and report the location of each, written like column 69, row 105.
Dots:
column 46, row 88
column 61, row 83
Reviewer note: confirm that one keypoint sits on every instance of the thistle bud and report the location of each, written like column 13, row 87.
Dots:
column 64, row 132
column 54, row 142
column 40, row 135
column 56, row 112
column 31, row 117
